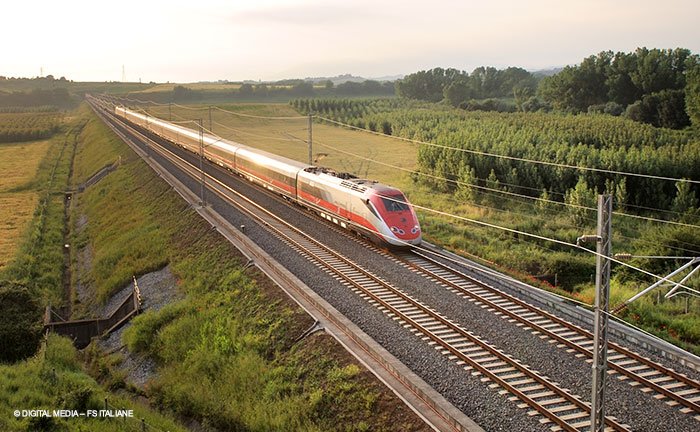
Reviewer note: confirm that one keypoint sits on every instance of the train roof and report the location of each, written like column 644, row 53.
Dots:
column 268, row 155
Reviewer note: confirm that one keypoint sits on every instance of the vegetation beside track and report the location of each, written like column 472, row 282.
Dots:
column 54, row 380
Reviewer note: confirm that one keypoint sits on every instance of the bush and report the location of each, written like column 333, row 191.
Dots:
column 21, row 324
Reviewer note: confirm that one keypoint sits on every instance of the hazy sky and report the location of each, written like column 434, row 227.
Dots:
column 184, row 41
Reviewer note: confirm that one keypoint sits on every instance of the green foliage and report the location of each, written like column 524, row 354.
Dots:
column 663, row 109
column 458, row 87
column 692, row 96
column 650, row 83
column 22, row 322
column 580, row 196
column 140, row 336
column 53, row 380
column 685, row 199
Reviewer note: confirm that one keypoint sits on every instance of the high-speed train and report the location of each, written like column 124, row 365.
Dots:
column 367, row 207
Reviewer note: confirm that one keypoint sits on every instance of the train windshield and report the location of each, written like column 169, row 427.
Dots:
column 395, row 203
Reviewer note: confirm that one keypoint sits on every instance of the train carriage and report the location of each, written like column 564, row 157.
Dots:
column 375, row 210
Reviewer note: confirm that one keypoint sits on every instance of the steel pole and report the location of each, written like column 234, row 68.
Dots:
column 311, row 158
column 602, row 304
column 201, row 161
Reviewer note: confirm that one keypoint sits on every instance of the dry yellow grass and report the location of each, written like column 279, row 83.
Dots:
column 16, row 210
column 19, row 162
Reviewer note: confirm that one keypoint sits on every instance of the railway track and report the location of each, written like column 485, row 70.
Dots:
column 556, row 406
column 640, row 371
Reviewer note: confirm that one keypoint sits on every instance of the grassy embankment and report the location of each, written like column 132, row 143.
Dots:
column 53, row 379
column 515, row 254
column 227, row 354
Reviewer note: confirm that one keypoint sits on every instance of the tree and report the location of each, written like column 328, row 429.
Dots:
column 457, row 92
column 426, row 85
column 465, row 188
column 662, row 109
column 303, row 89
column 576, row 88
column 580, row 198
column 621, row 89
column 692, row 96
column 246, row 90
column 685, row 199
column 543, row 203
column 21, row 324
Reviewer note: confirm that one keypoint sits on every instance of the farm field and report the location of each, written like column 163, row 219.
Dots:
column 390, row 161
column 19, row 164
column 16, row 210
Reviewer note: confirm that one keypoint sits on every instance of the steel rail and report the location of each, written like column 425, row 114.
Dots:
column 688, row 382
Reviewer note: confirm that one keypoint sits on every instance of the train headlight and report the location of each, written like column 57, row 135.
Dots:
column 397, row 230
column 415, row 229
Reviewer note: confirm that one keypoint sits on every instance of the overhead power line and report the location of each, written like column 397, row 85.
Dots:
column 457, row 182
column 480, row 153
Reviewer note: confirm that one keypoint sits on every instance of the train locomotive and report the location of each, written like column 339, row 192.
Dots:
column 377, row 211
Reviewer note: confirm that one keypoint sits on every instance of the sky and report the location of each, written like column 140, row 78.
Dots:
column 209, row 40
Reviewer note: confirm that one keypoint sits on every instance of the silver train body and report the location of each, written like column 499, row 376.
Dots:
column 375, row 210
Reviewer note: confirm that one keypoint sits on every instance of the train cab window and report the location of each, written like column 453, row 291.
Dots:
column 395, row 203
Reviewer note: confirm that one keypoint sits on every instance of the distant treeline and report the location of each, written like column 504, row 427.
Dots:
column 286, row 89
column 659, row 87
column 459, row 88
column 58, row 97
column 648, row 85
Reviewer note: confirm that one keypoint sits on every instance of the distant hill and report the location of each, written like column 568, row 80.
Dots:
column 341, row 79
column 546, row 72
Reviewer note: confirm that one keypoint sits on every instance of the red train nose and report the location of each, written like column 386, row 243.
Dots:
column 397, row 213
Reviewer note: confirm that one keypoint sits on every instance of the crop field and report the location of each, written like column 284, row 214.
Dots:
column 203, row 86
column 29, row 126
column 18, row 163
column 16, row 210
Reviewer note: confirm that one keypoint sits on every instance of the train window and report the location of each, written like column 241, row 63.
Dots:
column 395, row 203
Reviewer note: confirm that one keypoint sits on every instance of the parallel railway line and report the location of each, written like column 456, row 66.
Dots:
column 667, row 383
